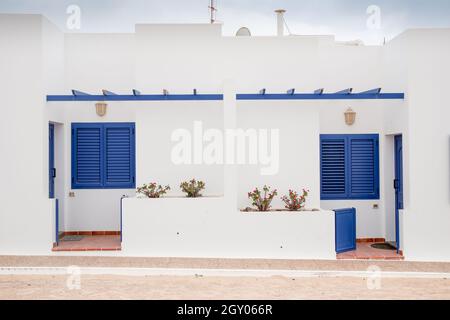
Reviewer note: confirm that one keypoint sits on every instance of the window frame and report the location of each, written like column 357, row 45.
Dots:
column 348, row 166
column 103, row 126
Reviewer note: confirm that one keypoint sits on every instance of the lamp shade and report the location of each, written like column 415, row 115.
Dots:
column 100, row 108
column 350, row 117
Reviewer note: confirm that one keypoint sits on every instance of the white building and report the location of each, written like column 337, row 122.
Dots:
column 40, row 65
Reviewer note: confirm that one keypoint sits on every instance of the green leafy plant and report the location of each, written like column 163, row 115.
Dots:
column 262, row 199
column 153, row 190
column 192, row 188
column 295, row 202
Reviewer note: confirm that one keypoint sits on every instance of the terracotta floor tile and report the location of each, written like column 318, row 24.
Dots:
column 91, row 243
column 364, row 251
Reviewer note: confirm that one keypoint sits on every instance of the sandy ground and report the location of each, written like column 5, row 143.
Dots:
column 227, row 288
column 189, row 288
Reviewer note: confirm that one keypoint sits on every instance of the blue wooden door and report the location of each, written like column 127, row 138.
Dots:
column 51, row 161
column 398, row 186
column 345, row 224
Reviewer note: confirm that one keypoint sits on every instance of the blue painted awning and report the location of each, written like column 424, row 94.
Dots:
column 324, row 96
column 347, row 94
column 137, row 97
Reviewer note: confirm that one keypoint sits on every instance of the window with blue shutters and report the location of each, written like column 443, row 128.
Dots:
column 103, row 156
column 349, row 167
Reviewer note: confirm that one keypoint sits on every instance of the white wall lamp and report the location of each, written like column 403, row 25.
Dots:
column 100, row 108
column 350, row 117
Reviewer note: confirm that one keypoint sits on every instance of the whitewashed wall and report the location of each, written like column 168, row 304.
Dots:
column 25, row 213
column 198, row 57
column 155, row 122
column 426, row 219
column 180, row 58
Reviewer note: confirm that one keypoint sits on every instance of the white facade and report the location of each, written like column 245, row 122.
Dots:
column 38, row 60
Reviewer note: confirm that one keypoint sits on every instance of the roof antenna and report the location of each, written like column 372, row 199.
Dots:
column 213, row 10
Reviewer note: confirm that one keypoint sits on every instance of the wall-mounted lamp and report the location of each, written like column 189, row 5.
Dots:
column 350, row 117
column 100, row 108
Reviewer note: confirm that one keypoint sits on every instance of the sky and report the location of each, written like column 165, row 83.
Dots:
column 372, row 21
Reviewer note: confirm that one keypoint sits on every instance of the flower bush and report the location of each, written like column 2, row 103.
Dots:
column 153, row 190
column 193, row 188
column 295, row 202
column 262, row 199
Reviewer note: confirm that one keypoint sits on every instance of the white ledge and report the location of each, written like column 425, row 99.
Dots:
column 205, row 228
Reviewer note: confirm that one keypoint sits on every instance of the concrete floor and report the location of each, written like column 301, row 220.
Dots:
column 263, row 264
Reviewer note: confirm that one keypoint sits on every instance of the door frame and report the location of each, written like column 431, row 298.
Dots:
column 51, row 161
column 52, row 176
column 398, row 185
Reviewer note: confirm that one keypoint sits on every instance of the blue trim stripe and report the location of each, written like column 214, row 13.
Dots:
column 219, row 97
column 158, row 97
column 324, row 96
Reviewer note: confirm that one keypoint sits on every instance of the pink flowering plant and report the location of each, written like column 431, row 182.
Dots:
column 193, row 188
column 153, row 190
column 295, row 202
column 262, row 199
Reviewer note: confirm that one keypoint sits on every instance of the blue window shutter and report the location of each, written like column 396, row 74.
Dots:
column 87, row 156
column 103, row 156
column 349, row 166
column 364, row 166
column 119, row 155
column 333, row 167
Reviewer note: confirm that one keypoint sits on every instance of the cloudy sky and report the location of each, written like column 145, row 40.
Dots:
column 347, row 19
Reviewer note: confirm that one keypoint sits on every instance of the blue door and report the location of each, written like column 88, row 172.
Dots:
column 398, row 186
column 51, row 161
column 345, row 225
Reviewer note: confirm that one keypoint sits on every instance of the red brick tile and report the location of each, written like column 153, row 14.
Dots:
column 91, row 243
column 112, row 233
column 85, row 233
column 364, row 251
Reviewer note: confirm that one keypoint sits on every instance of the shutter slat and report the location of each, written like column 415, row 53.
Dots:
column 118, row 155
column 103, row 156
column 362, row 167
column 88, row 156
column 349, row 166
column 332, row 168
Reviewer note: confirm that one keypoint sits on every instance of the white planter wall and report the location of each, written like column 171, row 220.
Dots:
column 202, row 228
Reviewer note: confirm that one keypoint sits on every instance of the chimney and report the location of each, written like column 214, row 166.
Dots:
column 280, row 22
